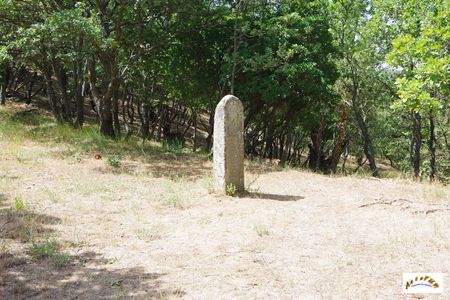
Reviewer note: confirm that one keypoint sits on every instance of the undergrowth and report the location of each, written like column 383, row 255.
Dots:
column 49, row 248
column 18, row 126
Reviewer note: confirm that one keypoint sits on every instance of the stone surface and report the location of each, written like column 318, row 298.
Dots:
column 228, row 148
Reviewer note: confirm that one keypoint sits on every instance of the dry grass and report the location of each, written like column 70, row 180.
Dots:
column 261, row 230
column 151, row 228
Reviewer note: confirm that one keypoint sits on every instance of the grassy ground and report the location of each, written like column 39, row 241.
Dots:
column 142, row 222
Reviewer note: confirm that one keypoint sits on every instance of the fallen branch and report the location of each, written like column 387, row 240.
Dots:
column 383, row 202
column 430, row 211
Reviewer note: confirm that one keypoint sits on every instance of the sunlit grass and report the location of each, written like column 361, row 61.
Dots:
column 18, row 127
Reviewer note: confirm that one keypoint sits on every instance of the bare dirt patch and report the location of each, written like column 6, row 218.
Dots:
column 152, row 229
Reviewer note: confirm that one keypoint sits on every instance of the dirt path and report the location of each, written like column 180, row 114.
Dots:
column 146, row 230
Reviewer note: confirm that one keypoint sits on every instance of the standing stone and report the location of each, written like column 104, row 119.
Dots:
column 228, row 147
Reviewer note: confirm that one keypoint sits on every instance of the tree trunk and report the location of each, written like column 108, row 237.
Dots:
column 106, row 122
column 4, row 82
column 61, row 83
column 287, row 156
column 145, row 120
column 17, row 79
column 281, row 152
column 369, row 150
column 130, row 110
column 79, row 97
column 194, row 147
column 115, row 113
column 161, row 122
column 29, row 94
column 270, row 142
column 126, row 119
column 209, row 138
column 2, row 93
column 315, row 148
column 79, row 86
column 103, row 103
column 346, row 153
column 416, row 143
column 52, row 100
column 432, row 148
column 340, row 141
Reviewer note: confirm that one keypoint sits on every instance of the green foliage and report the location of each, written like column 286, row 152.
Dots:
column 175, row 147
column 231, row 190
column 115, row 161
column 19, row 204
column 421, row 53
column 285, row 61
column 295, row 64
column 77, row 157
column 44, row 249
column 40, row 128
column 48, row 248
column 60, row 260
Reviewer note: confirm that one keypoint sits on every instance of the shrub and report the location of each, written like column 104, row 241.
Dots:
column 231, row 190
column 172, row 146
column 19, row 204
column 45, row 249
column 115, row 161
column 48, row 248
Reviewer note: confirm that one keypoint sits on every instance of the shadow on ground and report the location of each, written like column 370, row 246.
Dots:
column 166, row 166
column 256, row 167
column 274, row 197
column 84, row 275
column 184, row 166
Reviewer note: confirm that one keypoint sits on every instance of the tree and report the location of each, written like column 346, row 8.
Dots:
column 421, row 55
column 357, row 59
column 283, row 72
